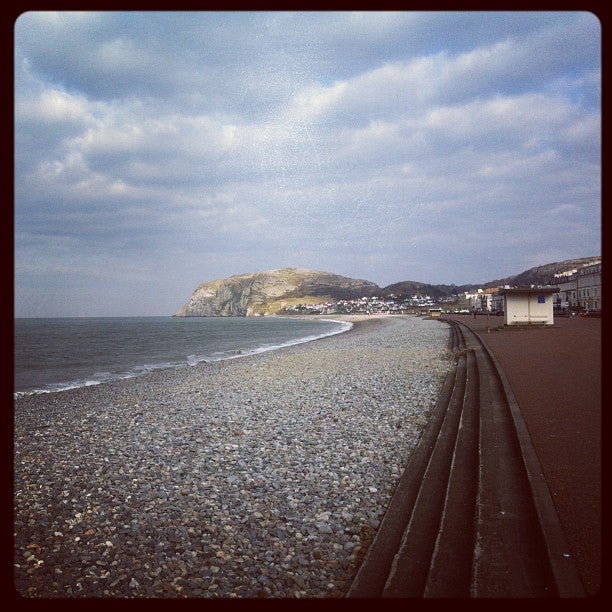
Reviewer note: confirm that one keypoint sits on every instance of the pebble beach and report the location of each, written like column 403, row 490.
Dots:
column 264, row 476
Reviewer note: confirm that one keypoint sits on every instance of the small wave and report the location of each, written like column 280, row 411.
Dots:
column 191, row 360
column 235, row 354
column 56, row 387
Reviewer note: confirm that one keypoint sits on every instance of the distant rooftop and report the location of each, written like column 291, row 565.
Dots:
column 530, row 290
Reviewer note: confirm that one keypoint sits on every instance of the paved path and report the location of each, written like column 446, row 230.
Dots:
column 555, row 375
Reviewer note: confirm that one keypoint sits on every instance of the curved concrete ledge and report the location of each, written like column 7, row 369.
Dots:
column 561, row 561
column 394, row 563
column 370, row 580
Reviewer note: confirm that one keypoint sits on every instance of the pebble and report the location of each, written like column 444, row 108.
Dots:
column 262, row 476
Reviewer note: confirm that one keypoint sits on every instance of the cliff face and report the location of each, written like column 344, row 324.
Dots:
column 270, row 291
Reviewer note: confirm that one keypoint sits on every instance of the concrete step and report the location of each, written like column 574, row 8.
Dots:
column 371, row 577
column 410, row 567
column 469, row 519
column 450, row 572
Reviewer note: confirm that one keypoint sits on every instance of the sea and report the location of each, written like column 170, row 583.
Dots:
column 52, row 355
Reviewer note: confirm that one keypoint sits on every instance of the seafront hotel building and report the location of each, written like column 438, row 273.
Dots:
column 580, row 289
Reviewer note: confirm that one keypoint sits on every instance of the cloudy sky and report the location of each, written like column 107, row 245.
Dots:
column 155, row 151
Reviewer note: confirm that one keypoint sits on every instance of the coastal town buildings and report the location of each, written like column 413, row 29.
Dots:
column 575, row 290
column 580, row 289
column 391, row 304
column 483, row 300
column 469, row 300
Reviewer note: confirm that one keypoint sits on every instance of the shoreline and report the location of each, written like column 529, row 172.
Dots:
column 77, row 384
column 265, row 476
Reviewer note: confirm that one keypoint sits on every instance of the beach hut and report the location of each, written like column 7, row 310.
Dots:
column 528, row 306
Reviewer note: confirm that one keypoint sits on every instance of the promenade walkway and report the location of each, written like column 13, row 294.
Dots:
column 555, row 375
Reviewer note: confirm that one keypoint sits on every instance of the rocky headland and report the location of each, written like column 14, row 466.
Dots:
column 271, row 291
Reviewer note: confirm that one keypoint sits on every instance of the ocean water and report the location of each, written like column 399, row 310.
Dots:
column 57, row 354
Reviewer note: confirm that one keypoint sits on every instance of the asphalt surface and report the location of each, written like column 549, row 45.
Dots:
column 555, row 375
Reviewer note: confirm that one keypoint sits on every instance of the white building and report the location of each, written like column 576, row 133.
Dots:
column 532, row 306
column 581, row 290
column 497, row 300
column 484, row 300
column 470, row 301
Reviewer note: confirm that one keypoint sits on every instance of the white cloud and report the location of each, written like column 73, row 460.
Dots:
column 362, row 135
column 54, row 106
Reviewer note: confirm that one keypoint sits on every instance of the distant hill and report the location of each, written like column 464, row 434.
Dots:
column 545, row 275
column 269, row 292
column 410, row 288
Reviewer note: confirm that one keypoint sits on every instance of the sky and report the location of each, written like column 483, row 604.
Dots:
column 156, row 151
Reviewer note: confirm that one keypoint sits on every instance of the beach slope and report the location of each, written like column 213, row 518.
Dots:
column 262, row 476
